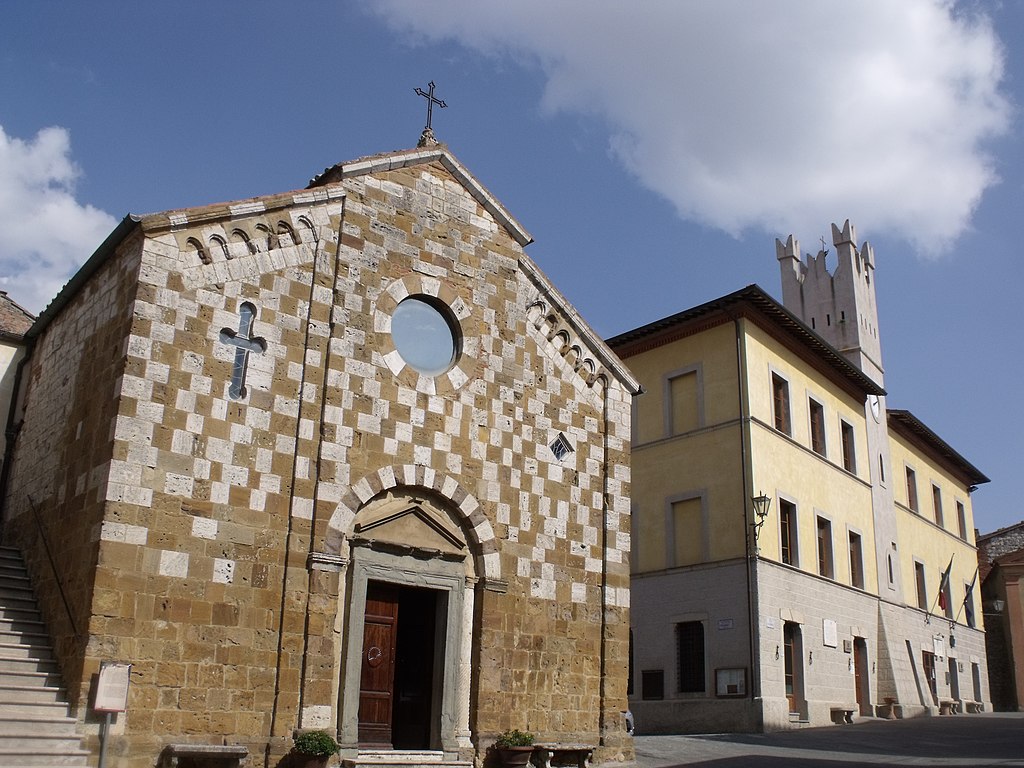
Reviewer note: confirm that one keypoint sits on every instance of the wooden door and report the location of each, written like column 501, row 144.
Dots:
column 928, row 660
column 860, row 663
column 790, row 661
column 377, row 681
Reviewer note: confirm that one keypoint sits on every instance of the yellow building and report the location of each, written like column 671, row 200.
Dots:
column 790, row 533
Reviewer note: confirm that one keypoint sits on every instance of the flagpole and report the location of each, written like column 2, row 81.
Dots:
column 943, row 584
column 968, row 594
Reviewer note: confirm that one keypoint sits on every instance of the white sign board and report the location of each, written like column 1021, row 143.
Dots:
column 112, row 687
column 828, row 630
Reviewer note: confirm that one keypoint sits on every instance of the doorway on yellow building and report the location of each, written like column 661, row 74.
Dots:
column 928, row 662
column 860, row 675
column 793, row 661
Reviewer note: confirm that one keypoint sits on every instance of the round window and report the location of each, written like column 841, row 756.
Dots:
column 424, row 335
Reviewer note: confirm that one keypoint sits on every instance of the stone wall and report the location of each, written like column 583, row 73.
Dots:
column 59, row 481
column 223, row 543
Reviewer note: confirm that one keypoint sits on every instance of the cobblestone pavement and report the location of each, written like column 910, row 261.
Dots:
column 990, row 739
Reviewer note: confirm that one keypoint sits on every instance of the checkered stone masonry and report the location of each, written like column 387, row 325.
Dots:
column 210, row 507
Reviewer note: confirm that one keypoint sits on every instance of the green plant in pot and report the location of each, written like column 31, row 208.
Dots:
column 514, row 747
column 316, row 746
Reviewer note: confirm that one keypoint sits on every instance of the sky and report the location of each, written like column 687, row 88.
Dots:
column 654, row 151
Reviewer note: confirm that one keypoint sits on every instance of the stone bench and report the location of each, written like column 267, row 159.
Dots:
column 203, row 756
column 549, row 754
column 947, row 707
column 971, row 706
column 842, row 713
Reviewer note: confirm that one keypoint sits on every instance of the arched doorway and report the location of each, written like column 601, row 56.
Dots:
column 408, row 617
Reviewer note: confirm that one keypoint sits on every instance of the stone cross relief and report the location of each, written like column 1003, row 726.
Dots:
column 243, row 344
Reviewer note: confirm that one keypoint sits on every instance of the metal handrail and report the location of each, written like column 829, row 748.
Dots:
column 53, row 565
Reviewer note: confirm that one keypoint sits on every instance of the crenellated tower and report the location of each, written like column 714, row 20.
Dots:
column 839, row 305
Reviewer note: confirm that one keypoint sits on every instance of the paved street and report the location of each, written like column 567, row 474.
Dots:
column 995, row 739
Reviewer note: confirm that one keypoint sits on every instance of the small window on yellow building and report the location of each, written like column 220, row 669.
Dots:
column 937, row 504
column 817, row 412
column 849, row 448
column 780, row 402
column 911, row 489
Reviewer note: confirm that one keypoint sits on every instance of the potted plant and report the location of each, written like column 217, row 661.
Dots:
column 316, row 747
column 514, row 747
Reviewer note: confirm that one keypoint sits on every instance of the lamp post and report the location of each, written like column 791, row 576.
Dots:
column 762, row 503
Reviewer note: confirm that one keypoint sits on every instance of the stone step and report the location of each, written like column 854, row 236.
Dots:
column 22, row 613
column 35, row 725
column 22, row 758
column 32, row 694
column 402, row 758
column 40, row 742
column 31, row 626
column 27, row 664
column 30, row 677
column 33, row 709
column 49, row 726
column 23, row 651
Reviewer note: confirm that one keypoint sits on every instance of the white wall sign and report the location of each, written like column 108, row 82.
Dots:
column 831, row 636
column 112, row 687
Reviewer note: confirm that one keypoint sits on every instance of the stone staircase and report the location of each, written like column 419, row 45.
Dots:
column 35, row 727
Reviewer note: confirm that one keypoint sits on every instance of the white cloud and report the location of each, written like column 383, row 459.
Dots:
column 777, row 116
column 45, row 233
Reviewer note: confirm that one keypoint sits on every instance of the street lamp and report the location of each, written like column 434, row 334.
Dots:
column 761, row 505
column 997, row 607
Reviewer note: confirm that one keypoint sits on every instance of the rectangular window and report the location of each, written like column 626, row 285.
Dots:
column 922, row 590
column 683, row 395
column 817, row 411
column 652, row 684
column 690, row 646
column 849, row 452
column 961, row 520
column 937, row 504
column 911, row 490
column 780, row 398
column 787, row 529
column 825, row 563
column 856, row 561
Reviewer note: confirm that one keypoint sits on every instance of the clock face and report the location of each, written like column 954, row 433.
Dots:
column 876, row 406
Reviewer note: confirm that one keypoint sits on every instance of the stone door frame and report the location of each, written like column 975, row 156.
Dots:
column 445, row 576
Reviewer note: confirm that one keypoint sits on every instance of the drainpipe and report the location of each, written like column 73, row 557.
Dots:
column 602, row 722
column 751, row 561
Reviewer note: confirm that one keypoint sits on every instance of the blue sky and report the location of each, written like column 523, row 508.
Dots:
column 654, row 151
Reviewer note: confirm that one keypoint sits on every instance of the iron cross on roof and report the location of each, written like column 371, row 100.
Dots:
column 431, row 101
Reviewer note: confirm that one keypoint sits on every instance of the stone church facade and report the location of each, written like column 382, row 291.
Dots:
column 234, row 474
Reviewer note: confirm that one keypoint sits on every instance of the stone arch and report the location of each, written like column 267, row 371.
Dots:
column 306, row 225
column 241, row 236
column 478, row 528
column 200, row 249
column 217, row 241
column 285, row 233
column 271, row 238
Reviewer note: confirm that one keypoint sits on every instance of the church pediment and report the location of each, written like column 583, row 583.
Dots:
column 391, row 161
column 410, row 526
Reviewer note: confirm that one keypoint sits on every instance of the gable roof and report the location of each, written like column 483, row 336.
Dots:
column 389, row 161
column 909, row 426
column 316, row 191
column 756, row 303
column 15, row 320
